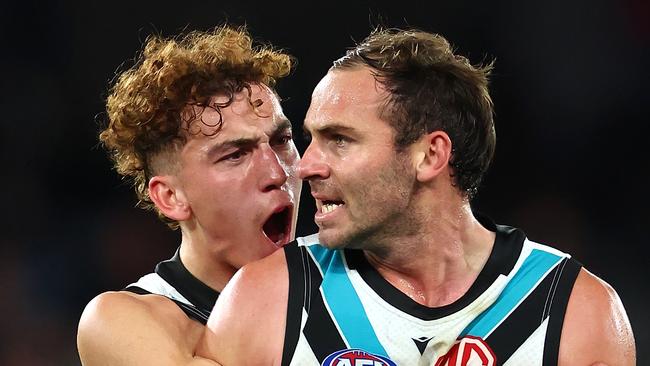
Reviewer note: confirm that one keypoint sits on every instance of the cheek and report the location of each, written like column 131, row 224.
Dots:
column 377, row 185
column 215, row 190
column 229, row 211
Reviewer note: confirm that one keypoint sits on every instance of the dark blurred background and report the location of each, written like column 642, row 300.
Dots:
column 571, row 96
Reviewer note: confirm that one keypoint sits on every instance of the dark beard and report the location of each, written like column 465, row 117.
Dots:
column 379, row 236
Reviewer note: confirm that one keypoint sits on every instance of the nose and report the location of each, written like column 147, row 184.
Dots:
column 312, row 165
column 274, row 175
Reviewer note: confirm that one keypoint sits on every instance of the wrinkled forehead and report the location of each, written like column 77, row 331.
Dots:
column 255, row 104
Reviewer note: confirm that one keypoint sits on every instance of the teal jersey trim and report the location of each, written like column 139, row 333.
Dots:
column 534, row 268
column 344, row 303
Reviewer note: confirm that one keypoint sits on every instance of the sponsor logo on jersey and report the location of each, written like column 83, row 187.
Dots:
column 421, row 343
column 468, row 351
column 356, row 357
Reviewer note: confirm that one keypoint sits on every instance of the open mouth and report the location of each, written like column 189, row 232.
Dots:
column 278, row 227
column 329, row 206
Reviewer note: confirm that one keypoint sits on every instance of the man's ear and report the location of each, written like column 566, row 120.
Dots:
column 432, row 155
column 169, row 198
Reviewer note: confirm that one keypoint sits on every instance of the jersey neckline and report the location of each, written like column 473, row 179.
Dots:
column 505, row 252
column 196, row 292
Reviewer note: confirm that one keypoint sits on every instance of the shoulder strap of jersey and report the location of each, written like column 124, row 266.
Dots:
column 556, row 309
column 547, row 301
column 294, row 256
column 305, row 297
column 191, row 311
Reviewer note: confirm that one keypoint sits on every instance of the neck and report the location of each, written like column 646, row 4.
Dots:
column 203, row 261
column 436, row 266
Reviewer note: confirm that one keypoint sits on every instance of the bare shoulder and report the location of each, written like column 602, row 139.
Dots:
column 250, row 314
column 253, row 284
column 596, row 327
column 121, row 328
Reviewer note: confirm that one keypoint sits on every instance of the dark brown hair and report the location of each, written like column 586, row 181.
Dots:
column 430, row 88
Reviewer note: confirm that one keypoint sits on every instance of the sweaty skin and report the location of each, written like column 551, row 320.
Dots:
column 224, row 190
column 348, row 137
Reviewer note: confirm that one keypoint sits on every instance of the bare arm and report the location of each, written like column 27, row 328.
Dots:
column 248, row 321
column 118, row 328
column 596, row 329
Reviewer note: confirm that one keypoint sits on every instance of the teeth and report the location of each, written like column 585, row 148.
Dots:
column 329, row 207
column 279, row 240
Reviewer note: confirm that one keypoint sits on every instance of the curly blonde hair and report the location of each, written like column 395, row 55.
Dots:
column 147, row 107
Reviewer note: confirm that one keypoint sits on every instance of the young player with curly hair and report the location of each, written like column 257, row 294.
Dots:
column 198, row 128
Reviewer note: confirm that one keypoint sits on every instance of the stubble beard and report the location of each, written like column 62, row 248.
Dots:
column 382, row 211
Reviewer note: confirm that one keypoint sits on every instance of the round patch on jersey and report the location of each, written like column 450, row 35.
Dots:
column 356, row 357
column 469, row 351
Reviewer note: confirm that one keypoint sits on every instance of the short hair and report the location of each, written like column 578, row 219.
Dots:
column 147, row 107
column 430, row 88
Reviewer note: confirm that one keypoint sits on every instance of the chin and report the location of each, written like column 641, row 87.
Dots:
column 332, row 241
column 350, row 239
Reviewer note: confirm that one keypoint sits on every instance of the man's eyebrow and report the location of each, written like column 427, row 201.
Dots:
column 329, row 129
column 229, row 144
column 281, row 126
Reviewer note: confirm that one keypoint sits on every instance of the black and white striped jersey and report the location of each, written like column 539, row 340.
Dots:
column 172, row 280
column 341, row 311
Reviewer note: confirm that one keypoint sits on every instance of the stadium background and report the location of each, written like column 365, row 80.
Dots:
column 571, row 96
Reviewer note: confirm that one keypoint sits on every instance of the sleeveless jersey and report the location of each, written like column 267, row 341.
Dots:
column 342, row 312
column 172, row 280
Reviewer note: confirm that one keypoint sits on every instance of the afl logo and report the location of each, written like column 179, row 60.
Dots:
column 468, row 351
column 356, row 357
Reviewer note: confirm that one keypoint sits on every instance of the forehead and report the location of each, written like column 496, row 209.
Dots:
column 258, row 109
column 346, row 96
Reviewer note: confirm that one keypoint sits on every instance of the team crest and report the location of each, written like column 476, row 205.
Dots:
column 468, row 351
column 356, row 357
